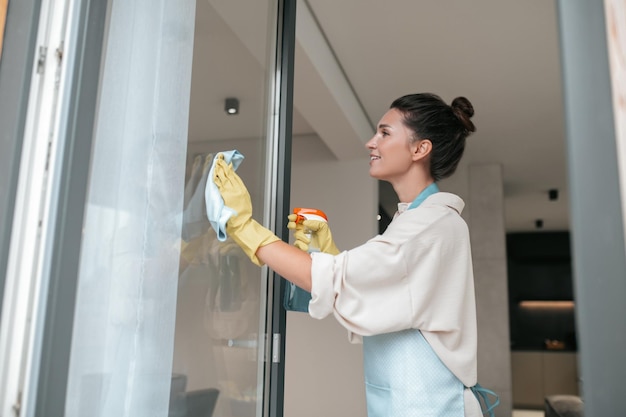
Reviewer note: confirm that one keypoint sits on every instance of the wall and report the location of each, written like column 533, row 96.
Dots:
column 324, row 372
column 487, row 232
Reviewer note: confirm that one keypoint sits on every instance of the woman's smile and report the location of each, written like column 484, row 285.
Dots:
column 390, row 153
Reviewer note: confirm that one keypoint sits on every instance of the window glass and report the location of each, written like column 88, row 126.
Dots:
column 169, row 320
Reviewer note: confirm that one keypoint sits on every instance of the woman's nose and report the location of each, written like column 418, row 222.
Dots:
column 371, row 144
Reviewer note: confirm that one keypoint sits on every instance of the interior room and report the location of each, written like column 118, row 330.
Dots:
column 352, row 59
column 119, row 297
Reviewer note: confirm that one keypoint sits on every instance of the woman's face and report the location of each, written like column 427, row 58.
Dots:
column 391, row 150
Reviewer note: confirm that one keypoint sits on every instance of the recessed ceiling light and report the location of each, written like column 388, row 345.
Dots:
column 231, row 106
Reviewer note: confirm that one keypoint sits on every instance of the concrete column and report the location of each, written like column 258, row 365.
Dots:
column 488, row 237
column 597, row 225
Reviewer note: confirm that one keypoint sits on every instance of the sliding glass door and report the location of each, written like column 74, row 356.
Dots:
column 169, row 320
column 137, row 308
column 220, row 345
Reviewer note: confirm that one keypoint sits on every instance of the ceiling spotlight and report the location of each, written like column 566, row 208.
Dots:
column 553, row 194
column 231, row 106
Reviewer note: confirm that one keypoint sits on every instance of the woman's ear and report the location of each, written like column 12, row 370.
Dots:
column 421, row 149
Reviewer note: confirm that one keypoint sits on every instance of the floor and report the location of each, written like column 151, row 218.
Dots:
column 528, row 413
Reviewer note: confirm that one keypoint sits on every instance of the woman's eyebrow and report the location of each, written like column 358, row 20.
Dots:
column 383, row 126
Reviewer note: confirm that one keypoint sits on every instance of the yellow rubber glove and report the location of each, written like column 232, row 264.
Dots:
column 244, row 230
column 325, row 238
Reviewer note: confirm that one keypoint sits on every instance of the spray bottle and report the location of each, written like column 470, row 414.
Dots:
column 311, row 214
column 297, row 299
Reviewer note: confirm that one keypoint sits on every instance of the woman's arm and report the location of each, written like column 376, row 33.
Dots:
column 259, row 243
column 288, row 261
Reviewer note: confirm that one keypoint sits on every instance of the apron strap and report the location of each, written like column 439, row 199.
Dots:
column 483, row 394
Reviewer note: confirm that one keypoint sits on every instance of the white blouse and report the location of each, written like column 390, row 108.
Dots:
column 416, row 275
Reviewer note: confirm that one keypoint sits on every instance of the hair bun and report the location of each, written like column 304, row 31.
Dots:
column 464, row 110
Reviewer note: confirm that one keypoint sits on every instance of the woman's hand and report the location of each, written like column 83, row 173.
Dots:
column 244, row 230
column 321, row 229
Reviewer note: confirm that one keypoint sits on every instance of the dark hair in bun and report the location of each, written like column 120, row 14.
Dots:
column 445, row 126
column 464, row 111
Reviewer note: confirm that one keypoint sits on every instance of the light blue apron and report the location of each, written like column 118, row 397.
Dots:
column 404, row 377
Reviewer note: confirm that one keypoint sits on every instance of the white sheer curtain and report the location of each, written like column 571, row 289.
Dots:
column 123, row 337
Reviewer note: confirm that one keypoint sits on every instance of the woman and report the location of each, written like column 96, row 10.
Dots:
column 408, row 294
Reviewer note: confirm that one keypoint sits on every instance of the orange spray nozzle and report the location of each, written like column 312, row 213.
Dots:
column 309, row 214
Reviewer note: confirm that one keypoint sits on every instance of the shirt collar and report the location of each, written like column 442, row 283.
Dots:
column 426, row 192
column 439, row 199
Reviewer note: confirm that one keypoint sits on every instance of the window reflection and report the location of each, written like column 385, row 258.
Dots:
column 219, row 347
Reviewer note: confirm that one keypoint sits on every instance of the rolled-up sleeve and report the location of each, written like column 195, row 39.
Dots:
column 323, row 291
column 366, row 288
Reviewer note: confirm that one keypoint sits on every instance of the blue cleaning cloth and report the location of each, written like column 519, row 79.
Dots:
column 216, row 211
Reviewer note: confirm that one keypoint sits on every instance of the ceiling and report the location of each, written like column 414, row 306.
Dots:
column 353, row 57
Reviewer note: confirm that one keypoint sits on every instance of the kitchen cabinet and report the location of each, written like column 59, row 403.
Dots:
column 537, row 374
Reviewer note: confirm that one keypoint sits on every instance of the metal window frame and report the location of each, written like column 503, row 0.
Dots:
column 15, row 69
column 73, row 182
column 285, row 74
column 42, row 139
